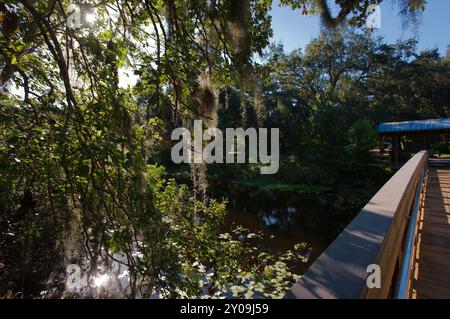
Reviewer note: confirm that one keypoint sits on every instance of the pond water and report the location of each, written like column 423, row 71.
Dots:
column 285, row 218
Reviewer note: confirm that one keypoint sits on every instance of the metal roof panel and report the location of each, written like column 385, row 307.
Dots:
column 414, row 126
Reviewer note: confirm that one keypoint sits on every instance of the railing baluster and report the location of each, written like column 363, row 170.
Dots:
column 404, row 278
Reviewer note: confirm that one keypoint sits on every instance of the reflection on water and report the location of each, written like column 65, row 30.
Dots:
column 285, row 217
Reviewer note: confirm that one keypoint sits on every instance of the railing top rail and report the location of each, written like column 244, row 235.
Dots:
column 373, row 237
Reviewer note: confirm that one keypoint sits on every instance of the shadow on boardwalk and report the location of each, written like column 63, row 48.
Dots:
column 432, row 263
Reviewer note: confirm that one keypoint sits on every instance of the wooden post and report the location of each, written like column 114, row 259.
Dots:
column 395, row 145
column 381, row 144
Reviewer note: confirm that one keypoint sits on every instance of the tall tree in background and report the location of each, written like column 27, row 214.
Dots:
column 354, row 12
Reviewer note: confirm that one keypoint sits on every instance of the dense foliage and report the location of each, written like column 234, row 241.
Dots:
column 76, row 187
column 327, row 102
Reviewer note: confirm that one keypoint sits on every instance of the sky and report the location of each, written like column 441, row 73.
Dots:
column 296, row 31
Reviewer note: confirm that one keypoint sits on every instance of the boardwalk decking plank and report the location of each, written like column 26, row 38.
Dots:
column 432, row 264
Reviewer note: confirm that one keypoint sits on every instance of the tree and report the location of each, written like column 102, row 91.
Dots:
column 356, row 9
column 76, row 185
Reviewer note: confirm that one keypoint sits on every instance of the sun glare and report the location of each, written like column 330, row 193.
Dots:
column 89, row 17
column 101, row 280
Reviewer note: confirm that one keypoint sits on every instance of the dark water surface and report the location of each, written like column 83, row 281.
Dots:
column 285, row 217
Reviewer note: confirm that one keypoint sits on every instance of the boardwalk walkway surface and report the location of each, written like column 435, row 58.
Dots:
column 432, row 262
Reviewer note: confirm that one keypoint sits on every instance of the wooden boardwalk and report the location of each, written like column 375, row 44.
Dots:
column 431, row 277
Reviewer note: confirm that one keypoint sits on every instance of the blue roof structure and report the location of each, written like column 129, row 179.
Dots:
column 415, row 126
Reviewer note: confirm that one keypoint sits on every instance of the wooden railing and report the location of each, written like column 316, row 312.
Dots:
column 375, row 236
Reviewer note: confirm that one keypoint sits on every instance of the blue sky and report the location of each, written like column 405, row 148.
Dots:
column 295, row 31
